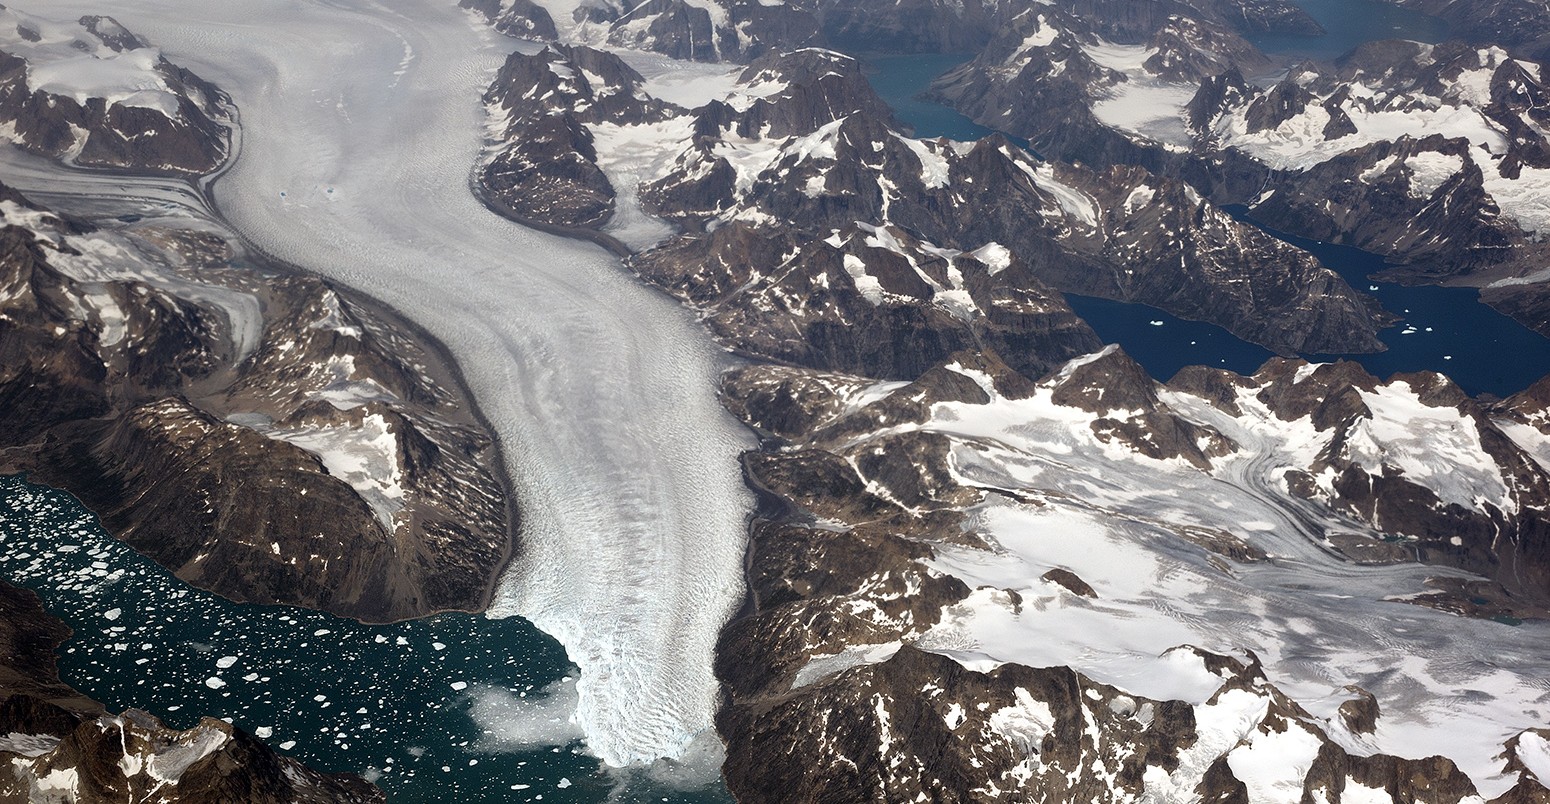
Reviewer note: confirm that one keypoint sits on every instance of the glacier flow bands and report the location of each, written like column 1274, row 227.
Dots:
column 361, row 125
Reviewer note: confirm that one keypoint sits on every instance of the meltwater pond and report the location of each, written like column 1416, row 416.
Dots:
column 402, row 704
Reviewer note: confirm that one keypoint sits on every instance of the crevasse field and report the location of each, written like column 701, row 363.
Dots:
column 360, row 126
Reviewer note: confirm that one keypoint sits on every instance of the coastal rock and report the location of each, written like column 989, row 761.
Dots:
column 59, row 745
column 871, row 300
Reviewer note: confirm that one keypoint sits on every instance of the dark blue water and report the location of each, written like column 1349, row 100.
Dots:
column 900, row 79
column 1349, row 23
column 394, row 702
column 1164, row 343
column 1443, row 329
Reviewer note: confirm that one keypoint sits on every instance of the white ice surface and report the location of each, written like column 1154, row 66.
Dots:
column 1447, row 685
column 67, row 60
column 689, row 84
column 366, row 457
column 601, row 390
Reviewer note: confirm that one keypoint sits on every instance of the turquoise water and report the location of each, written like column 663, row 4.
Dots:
column 394, row 702
column 1443, row 329
column 1349, row 23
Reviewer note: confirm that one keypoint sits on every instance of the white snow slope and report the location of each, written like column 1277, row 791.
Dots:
column 360, row 126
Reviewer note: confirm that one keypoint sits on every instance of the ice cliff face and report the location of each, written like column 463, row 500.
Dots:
column 93, row 94
column 144, row 371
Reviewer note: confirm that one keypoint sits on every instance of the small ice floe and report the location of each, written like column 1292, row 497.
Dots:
column 1156, row 323
column 215, row 682
column 1372, row 287
column 112, row 614
column 460, row 685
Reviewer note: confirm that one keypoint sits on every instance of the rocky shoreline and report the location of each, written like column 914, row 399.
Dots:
column 61, row 745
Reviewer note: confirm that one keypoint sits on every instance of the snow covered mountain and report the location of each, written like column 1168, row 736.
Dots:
column 93, row 94
column 144, row 370
column 1431, row 155
column 817, row 232
column 970, row 585
column 936, row 542
column 700, row 30
column 743, row 30
column 547, row 111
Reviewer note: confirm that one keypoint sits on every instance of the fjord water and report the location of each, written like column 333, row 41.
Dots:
column 399, row 703
column 1348, row 23
column 1443, row 329
column 901, row 79
column 361, row 124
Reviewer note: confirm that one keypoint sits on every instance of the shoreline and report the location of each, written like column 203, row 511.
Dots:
column 441, row 366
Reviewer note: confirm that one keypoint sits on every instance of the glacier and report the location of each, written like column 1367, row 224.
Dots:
column 360, row 126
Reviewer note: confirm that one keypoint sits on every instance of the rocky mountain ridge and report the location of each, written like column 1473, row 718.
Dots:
column 804, row 163
column 868, row 578
column 1429, row 155
column 1521, row 25
column 970, row 584
column 146, row 368
column 743, row 30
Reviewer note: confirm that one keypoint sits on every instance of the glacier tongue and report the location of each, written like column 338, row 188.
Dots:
column 355, row 163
